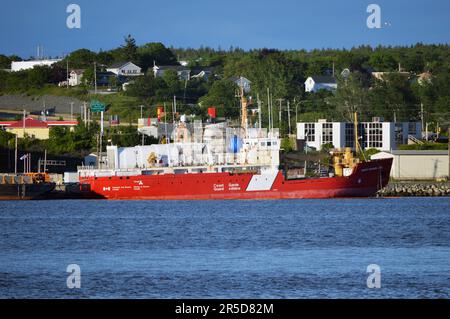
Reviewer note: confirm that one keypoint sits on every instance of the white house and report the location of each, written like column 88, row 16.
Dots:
column 384, row 136
column 125, row 69
column 320, row 82
column 184, row 73
column 417, row 165
column 75, row 77
column 242, row 82
column 26, row 65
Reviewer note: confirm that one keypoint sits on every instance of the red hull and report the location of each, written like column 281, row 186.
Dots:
column 366, row 180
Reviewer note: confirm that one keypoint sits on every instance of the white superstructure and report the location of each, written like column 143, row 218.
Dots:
column 217, row 145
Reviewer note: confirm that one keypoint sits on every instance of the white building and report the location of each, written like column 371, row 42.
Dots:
column 384, row 136
column 27, row 65
column 183, row 72
column 125, row 69
column 417, row 165
column 75, row 77
column 320, row 82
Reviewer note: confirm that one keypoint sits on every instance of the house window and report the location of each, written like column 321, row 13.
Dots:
column 310, row 132
column 327, row 133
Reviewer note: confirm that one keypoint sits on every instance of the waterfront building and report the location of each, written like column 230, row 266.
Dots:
column 384, row 136
column 417, row 165
column 26, row 65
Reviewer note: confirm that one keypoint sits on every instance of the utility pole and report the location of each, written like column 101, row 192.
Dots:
column 15, row 157
column 175, row 104
column 421, row 115
column 289, row 116
column 279, row 112
column 296, row 112
column 84, row 113
column 89, row 117
column 95, row 77
column 173, row 113
column 67, row 71
column 23, row 121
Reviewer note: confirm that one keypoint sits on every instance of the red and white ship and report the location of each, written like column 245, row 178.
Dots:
column 217, row 162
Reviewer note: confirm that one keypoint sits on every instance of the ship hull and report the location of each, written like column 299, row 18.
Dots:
column 366, row 179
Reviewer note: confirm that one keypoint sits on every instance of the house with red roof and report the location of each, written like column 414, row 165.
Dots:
column 34, row 128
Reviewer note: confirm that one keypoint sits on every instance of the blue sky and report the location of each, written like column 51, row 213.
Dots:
column 282, row 24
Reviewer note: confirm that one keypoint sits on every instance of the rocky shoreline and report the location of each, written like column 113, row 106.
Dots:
column 419, row 189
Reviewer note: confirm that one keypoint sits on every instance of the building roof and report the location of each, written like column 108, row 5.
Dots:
column 118, row 65
column 173, row 67
column 29, row 122
column 62, row 123
column 238, row 78
column 323, row 79
column 77, row 71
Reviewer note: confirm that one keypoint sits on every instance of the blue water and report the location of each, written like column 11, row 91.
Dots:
column 226, row 249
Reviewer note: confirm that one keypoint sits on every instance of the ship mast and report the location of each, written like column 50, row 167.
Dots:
column 358, row 148
column 243, row 108
column 356, row 133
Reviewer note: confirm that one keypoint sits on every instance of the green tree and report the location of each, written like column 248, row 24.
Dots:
column 383, row 61
column 39, row 76
column 129, row 49
column 157, row 53
column 79, row 59
column 394, row 99
column 147, row 87
column 173, row 83
column 351, row 96
column 222, row 96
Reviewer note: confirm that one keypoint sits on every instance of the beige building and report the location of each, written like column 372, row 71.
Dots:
column 417, row 165
column 34, row 128
column 30, row 127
